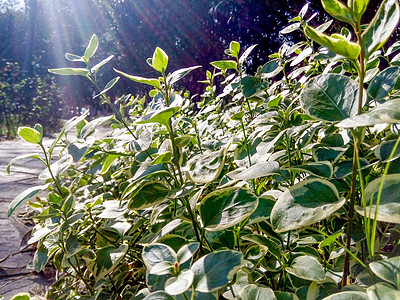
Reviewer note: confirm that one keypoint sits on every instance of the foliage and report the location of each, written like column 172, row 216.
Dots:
column 279, row 185
column 26, row 100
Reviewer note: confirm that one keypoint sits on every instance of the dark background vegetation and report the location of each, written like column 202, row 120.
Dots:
column 35, row 34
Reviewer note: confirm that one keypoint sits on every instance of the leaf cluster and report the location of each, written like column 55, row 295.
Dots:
column 275, row 186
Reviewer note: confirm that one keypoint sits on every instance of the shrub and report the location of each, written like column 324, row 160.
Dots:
column 26, row 100
column 282, row 186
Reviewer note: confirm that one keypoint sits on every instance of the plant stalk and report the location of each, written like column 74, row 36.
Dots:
column 357, row 136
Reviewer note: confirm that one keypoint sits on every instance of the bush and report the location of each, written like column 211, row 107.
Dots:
column 281, row 186
column 26, row 100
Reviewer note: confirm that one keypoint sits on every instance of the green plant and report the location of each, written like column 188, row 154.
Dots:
column 27, row 100
column 259, row 186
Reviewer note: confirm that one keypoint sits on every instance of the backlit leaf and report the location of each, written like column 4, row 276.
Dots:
column 92, row 47
column 161, row 116
column 234, row 48
column 381, row 27
column 92, row 125
column 150, row 81
column 224, row 64
column 179, row 74
column 70, row 71
column 358, row 7
column 20, row 296
column 19, row 157
column 108, row 86
column 245, row 54
column 337, row 45
column 73, row 57
column 30, row 135
column 160, row 60
column 102, row 63
column 338, row 10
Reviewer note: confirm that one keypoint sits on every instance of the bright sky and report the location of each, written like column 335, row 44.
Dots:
column 15, row 4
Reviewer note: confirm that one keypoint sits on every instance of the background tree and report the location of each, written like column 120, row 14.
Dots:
column 192, row 32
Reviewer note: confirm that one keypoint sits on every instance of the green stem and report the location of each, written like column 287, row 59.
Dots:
column 288, row 241
column 356, row 135
column 114, row 286
column 77, row 270
column 350, row 216
column 175, row 151
column 203, row 237
column 341, row 245
column 246, row 142
column 363, row 201
column 193, row 294
column 375, row 221
column 198, row 137
column 118, row 117
column 194, row 222
column 48, row 164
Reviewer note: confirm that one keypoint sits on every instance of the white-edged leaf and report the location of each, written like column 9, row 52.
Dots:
column 108, row 86
column 92, row 47
column 389, row 206
column 213, row 271
column 179, row 74
column 150, row 81
column 23, row 197
column 227, row 207
column 307, row 267
column 70, row 71
column 92, row 125
column 19, row 157
column 305, row 203
column 102, row 63
column 388, row 112
column 154, row 254
column 179, row 284
column 57, row 168
column 258, row 170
